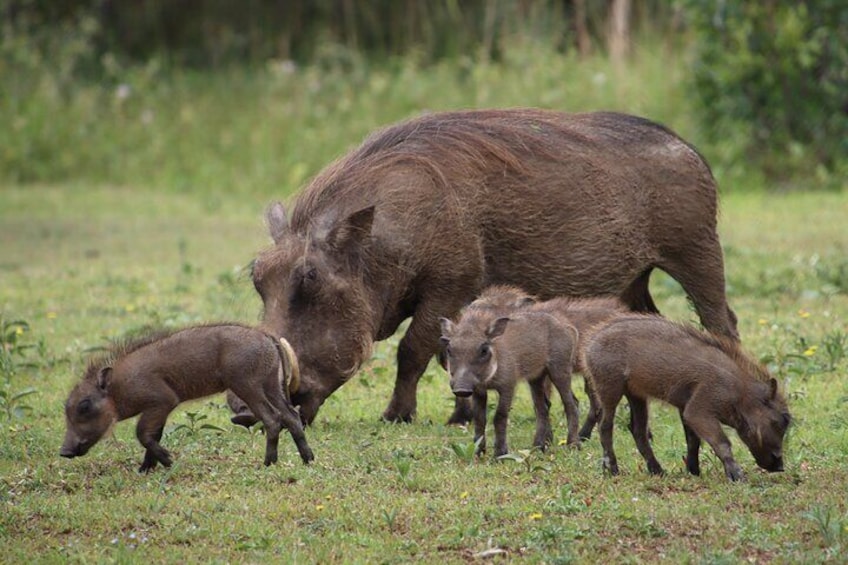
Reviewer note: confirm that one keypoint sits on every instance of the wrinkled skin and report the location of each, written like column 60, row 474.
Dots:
column 427, row 213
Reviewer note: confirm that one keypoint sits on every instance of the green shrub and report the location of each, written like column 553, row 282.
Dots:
column 771, row 79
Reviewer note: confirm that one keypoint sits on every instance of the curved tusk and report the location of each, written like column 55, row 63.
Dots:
column 294, row 380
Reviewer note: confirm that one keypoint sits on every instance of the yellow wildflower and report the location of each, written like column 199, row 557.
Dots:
column 803, row 313
column 464, row 494
column 319, row 507
column 536, row 516
column 762, row 321
column 811, row 351
column 51, row 315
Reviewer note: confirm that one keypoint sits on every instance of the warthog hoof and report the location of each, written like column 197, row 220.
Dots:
column 245, row 419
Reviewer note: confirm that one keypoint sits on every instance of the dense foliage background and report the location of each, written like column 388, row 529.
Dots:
column 761, row 87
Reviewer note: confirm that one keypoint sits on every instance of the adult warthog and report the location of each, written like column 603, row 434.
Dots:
column 426, row 213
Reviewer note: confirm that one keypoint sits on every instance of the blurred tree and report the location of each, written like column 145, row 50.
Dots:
column 584, row 42
column 619, row 30
column 777, row 72
column 211, row 33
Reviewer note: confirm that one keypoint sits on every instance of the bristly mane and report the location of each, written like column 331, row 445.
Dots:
column 122, row 347
column 724, row 344
column 442, row 145
column 733, row 350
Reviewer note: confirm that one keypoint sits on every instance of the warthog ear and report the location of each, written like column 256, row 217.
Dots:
column 103, row 378
column 447, row 328
column 772, row 388
column 352, row 230
column 497, row 328
column 278, row 224
column 525, row 301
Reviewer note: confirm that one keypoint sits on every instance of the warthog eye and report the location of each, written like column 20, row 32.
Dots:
column 309, row 281
column 84, row 407
column 485, row 352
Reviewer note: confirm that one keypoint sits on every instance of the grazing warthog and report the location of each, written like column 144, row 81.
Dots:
column 581, row 312
column 152, row 375
column 708, row 378
column 484, row 354
column 426, row 213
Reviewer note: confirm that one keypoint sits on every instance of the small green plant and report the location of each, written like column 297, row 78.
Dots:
column 13, row 350
column 832, row 528
column 10, row 402
column 528, row 458
column 465, row 451
column 389, row 517
column 403, row 465
column 13, row 357
column 834, row 274
column 793, row 354
column 194, row 427
column 568, row 502
column 835, row 347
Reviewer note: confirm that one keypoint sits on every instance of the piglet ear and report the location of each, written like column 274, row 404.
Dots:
column 525, row 301
column 103, row 378
column 497, row 328
column 353, row 230
column 447, row 328
column 773, row 388
column 278, row 224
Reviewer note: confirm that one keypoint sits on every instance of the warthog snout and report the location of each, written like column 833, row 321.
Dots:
column 776, row 465
column 462, row 392
column 77, row 449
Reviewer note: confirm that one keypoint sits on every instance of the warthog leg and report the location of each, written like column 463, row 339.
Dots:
column 594, row 411
column 708, row 428
column 605, row 431
column 149, row 433
column 693, row 446
column 544, row 434
column 478, row 403
column 639, row 429
column 701, row 274
column 501, row 418
column 561, row 377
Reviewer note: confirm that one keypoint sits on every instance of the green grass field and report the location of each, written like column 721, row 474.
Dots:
column 80, row 266
column 150, row 207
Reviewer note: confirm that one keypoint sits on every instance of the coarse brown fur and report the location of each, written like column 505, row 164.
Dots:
column 583, row 313
column 484, row 353
column 428, row 212
column 709, row 379
column 151, row 375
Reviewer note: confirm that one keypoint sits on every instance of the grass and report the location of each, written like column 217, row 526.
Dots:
column 251, row 130
column 145, row 209
column 80, row 266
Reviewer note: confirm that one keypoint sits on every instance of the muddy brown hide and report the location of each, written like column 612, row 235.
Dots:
column 485, row 354
column 709, row 379
column 583, row 313
column 426, row 213
column 152, row 375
